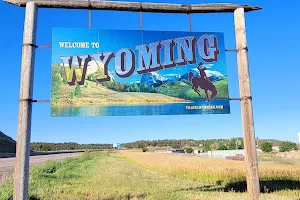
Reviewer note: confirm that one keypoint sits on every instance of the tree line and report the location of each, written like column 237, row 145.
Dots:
column 204, row 145
column 214, row 144
column 127, row 87
column 124, row 87
column 286, row 146
column 43, row 146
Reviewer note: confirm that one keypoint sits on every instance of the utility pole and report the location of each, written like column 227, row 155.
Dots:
column 25, row 103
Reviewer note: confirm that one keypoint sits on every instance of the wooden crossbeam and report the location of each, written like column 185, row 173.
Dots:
column 135, row 6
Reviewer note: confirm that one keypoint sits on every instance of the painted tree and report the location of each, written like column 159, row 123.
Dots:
column 144, row 88
column 134, row 88
column 126, row 87
column 77, row 91
column 71, row 96
column 56, row 88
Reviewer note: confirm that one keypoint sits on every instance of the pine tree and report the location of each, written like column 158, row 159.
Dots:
column 71, row 96
column 56, row 88
column 77, row 92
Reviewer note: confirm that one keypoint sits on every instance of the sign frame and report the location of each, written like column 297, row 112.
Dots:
column 27, row 71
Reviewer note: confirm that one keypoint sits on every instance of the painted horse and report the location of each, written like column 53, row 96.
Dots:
column 204, row 84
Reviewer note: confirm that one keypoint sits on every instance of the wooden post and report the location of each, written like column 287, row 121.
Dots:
column 25, row 103
column 246, row 105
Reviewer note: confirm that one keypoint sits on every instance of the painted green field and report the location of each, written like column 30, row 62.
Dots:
column 96, row 94
column 116, row 93
column 183, row 89
column 110, row 176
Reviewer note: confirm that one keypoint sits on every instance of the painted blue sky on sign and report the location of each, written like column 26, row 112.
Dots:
column 114, row 40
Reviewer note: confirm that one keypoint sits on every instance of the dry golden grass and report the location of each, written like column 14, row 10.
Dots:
column 208, row 170
column 292, row 155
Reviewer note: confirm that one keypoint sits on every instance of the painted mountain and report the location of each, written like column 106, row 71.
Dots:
column 154, row 79
column 213, row 76
column 176, row 85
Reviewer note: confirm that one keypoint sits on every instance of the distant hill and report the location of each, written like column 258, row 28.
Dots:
column 45, row 146
column 273, row 141
column 7, row 144
column 207, row 145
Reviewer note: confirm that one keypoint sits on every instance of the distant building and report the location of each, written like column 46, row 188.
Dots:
column 161, row 149
column 178, row 150
column 298, row 138
column 275, row 148
column 117, row 146
column 196, row 151
column 239, row 157
column 226, row 153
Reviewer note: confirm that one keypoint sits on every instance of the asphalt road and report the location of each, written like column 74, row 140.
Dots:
column 7, row 165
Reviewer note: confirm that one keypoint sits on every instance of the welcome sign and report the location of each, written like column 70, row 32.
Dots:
column 99, row 72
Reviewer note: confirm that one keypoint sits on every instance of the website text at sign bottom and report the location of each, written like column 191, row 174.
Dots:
column 203, row 107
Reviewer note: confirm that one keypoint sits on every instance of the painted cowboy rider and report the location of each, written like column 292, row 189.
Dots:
column 202, row 71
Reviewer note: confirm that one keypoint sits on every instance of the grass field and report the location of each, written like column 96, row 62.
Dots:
column 184, row 90
column 99, row 95
column 134, row 175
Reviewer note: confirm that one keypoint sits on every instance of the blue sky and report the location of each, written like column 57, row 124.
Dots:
column 273, row 41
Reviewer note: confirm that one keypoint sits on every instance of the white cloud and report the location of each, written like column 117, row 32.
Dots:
column 208, row 65
column 171, row 75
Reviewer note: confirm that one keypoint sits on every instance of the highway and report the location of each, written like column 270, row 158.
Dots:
column 7, row 165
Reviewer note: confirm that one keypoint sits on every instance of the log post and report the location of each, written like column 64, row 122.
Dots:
column 246, row 105
column 25, row 104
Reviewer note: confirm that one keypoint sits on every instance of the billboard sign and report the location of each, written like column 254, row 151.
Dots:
column 99, row 72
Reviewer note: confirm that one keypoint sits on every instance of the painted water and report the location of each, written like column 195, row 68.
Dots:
column 220, row 106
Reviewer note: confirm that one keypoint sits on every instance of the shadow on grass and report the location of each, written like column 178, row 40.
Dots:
column 30, row 198
column 241, row 186
column 265, row 186
column 123, row 197
column 128, row 197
